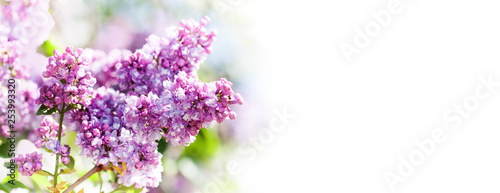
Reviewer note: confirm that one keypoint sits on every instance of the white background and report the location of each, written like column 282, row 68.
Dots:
column 355, row 119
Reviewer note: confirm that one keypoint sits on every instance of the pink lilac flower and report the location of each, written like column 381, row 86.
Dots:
column 100, row 124
column 24, row 104
column 185, row 106
column 47, row 133
column 24, row 25
column 29, row 164
column 26, row 97
column 53, row 145
column 11, row 68
column 105, row 137
column 76, row 82
column 161, row 58
column 193, row 105
column 161, row 96
column 166, row 96
column 64, row 151
column 50, row 96
column 104, row 67
column 142, row 115
column 10, row 53
column 27, row 21
column 189, row 44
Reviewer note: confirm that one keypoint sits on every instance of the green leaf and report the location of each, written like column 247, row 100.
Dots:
column 71, row 163
column 67, row 171
column 7, row 187
column 63, row 81
column 48, row 150
column 43, row 173
column 47, row 48
column 44, row 110
column 73, row 106
column 204, row 148
column 162, row 145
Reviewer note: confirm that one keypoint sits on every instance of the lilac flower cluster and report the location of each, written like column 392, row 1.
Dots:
column 104, row 67
column 47, row 133
column 27, row 21
column 19, row 34
column 142, row 114
column 106, row 138
column 9, row 58
column 159, row 95
column 161, row 58
column 29, row 164
column 188, row 45
column 100, row 124
column 26, row 97
column 194, row 105
column 185, row 106
column 24, row 103
column 77, row 83
column 19, row 38
column 164, row 95
column 50, row 96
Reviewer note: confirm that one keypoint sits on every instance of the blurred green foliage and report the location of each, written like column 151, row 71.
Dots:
column 204, row 147
column 47, row 48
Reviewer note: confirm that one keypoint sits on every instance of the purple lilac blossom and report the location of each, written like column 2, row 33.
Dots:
column 185, row 106
column 161, row 96
column 76, row 84
column 193, row 105
column 161, row 58
column 10, row 52
column 47, row 134
column 26, row 97
column 29, row 164
column 104, row 67
column 64, row 151
column 24, row 25
column 27, row 21
column 24, row 103
column 53, row 145
column 165, row 97
column 105, row 137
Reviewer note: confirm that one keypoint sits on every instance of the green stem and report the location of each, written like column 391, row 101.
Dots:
column 61, row 118
column 100, row 181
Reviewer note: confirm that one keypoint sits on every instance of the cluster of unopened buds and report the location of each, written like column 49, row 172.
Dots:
column 64, row 151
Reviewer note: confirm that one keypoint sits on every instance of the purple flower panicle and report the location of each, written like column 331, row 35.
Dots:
column 29, row 164
column 48, row 131
column 105, row 137
column 158, row 95
column 76, row 84
column 182, row 50
column 192, row 104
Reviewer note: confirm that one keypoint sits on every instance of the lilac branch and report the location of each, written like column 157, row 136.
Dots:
column 91, row 172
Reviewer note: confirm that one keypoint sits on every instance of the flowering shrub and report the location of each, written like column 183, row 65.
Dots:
column 119, row 104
